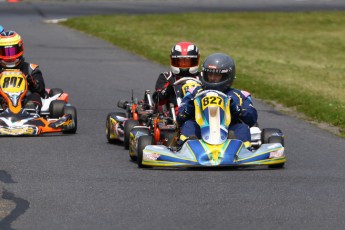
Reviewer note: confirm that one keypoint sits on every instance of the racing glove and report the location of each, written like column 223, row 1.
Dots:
column 194, row 91
column 166, row 90
column 235, row 109
column 185, row 113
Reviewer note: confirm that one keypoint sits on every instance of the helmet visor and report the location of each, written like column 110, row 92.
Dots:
column 184, row 62
column 213, row 77
column 10, row 52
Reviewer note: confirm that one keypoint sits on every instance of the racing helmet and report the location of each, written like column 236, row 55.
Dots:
column 221, row 67
column 11, row 49
column 184, row 59
column 1, row 29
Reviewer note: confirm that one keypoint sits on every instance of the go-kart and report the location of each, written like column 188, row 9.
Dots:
column 162, row 125
column 216, row 147
column 15, row 120
column 119, row 124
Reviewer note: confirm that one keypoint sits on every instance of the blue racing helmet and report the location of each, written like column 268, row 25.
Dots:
column 1, row 28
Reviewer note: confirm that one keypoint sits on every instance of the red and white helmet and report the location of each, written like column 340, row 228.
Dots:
column 184, row 58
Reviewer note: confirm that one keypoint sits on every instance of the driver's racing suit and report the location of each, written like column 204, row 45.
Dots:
column 165, row 92
column 243, row 116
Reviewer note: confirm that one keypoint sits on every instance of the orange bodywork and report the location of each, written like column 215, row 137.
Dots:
column 46, row 128
column 135, row 114
column 63, row 97
column 156, row 132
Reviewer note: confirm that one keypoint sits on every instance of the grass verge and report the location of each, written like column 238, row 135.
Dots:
column 295, row 59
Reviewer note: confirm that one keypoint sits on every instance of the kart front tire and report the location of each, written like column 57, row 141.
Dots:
column 68, row 109
column 129, row 125
column 269, row 132
column 143, row 141
column 107, row 125
column 56, row 108
column 145, row 132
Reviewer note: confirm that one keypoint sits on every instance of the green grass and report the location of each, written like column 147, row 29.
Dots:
column 295, row 59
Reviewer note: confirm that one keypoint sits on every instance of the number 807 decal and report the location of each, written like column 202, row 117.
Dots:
column 12, row 81
column 212, row 101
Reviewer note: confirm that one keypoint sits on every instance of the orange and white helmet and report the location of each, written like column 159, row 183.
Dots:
column 11, row 49
column 184, row 58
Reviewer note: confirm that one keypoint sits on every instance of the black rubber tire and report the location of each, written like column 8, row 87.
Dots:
column 68, row 109
column 139, row 129
column 143, row 141
column 122, row 104
column 55, row 91
column 276, row 139
column 56, row 108
column 129, row 124
column 107, row 126
column 267, row 133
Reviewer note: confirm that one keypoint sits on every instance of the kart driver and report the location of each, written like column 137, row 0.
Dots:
column 184, row 62
column 11, row 57
column 218, row 73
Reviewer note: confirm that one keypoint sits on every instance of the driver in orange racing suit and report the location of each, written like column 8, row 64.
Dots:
column 11, row 57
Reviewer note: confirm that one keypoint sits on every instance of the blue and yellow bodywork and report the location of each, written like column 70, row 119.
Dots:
column 212, row 114
column 199, row 153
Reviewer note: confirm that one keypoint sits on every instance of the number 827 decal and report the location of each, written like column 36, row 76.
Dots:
column 212, row 101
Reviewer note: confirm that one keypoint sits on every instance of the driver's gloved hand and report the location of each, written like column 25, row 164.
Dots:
column 189, row 110
column 167, row 89
column 194, row 90
column 235, row 109
column 185, row 113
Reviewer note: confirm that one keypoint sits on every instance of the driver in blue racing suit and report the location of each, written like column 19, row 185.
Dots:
column 218, row 73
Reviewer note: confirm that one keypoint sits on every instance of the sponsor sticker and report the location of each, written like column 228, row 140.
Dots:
column 151, row 156
column 27, row 130
column 277, row 153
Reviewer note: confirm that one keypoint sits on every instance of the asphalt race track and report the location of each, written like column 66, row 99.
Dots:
column 82, row 182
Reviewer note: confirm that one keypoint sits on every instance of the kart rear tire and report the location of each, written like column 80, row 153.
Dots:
column 122, row 104
column 56, row 108
column 107, row 125
column 269, row 132
column 55, row 91
column 143, row 141
column 280, row 140
column 68, row 109
column 129, row 124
